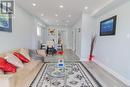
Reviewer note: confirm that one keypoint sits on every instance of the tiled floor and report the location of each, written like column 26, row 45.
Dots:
column 106, row 79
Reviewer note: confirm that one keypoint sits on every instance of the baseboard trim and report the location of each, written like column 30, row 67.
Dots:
column 116, row 75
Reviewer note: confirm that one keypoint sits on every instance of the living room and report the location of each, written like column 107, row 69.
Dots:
column 101, row 57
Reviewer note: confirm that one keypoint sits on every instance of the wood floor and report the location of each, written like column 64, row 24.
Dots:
column 106, row 79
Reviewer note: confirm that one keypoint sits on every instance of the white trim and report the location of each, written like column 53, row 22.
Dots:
column 115, row 74
column 83, row 59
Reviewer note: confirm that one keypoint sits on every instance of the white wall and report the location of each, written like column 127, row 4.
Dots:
column 83, row 38
column 24, row 32
column 70, row 36
column 37, row 39
column 76, row 38
column 113, row 52
column 88, row 26
column 21, row 35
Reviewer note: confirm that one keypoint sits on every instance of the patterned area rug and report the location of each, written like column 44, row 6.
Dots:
column 74, row 75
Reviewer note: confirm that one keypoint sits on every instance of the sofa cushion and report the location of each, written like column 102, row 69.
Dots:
column 21, row 57
column 28, row 68
column 25, row 52
column 14, row 60
column 7, row 67
column 24, row 76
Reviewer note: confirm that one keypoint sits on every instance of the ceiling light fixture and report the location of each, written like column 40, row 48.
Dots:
column 56, row 20
column 34, row 4
column 69, row 15
column 42, row 14
column 56, row 15
column 61, row 6
column 85, row 7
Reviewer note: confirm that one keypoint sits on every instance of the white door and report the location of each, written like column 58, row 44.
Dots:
column 74, row 40
column 44, row 35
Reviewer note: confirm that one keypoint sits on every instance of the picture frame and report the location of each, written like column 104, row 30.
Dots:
column 5, row 16
column 5, row 22
column 108, row 26
column 52, row 31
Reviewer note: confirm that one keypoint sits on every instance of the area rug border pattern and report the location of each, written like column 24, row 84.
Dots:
column 97, row 82
column 37, row 75
column 91, row 75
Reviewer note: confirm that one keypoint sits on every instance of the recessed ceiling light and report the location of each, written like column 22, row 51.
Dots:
column 61, row 6
column 56, row 20
column 69, row 15
column 56, row 15
column 42, row 14
column 57, row 24
column 85, row 7
column 33, row 4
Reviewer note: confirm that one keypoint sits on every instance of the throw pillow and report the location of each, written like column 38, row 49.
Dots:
column 14, row 50
column 2, row 55
column 25, row 53
column 14, row 60
column 7, row 67
column 21, row 57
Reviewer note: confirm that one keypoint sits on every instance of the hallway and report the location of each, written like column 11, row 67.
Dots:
column 94, row 34
column 68, row 57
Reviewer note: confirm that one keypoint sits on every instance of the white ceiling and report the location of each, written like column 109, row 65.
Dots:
column 74, row 7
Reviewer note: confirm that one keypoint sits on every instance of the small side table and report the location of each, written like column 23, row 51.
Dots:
column 58, row 73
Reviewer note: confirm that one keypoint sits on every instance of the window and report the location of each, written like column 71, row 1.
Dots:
column 38, row 31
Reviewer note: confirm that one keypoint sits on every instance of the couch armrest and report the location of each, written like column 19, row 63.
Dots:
column 34, row 55
column 23, row 77
column 32, row 52
column 38, row 57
